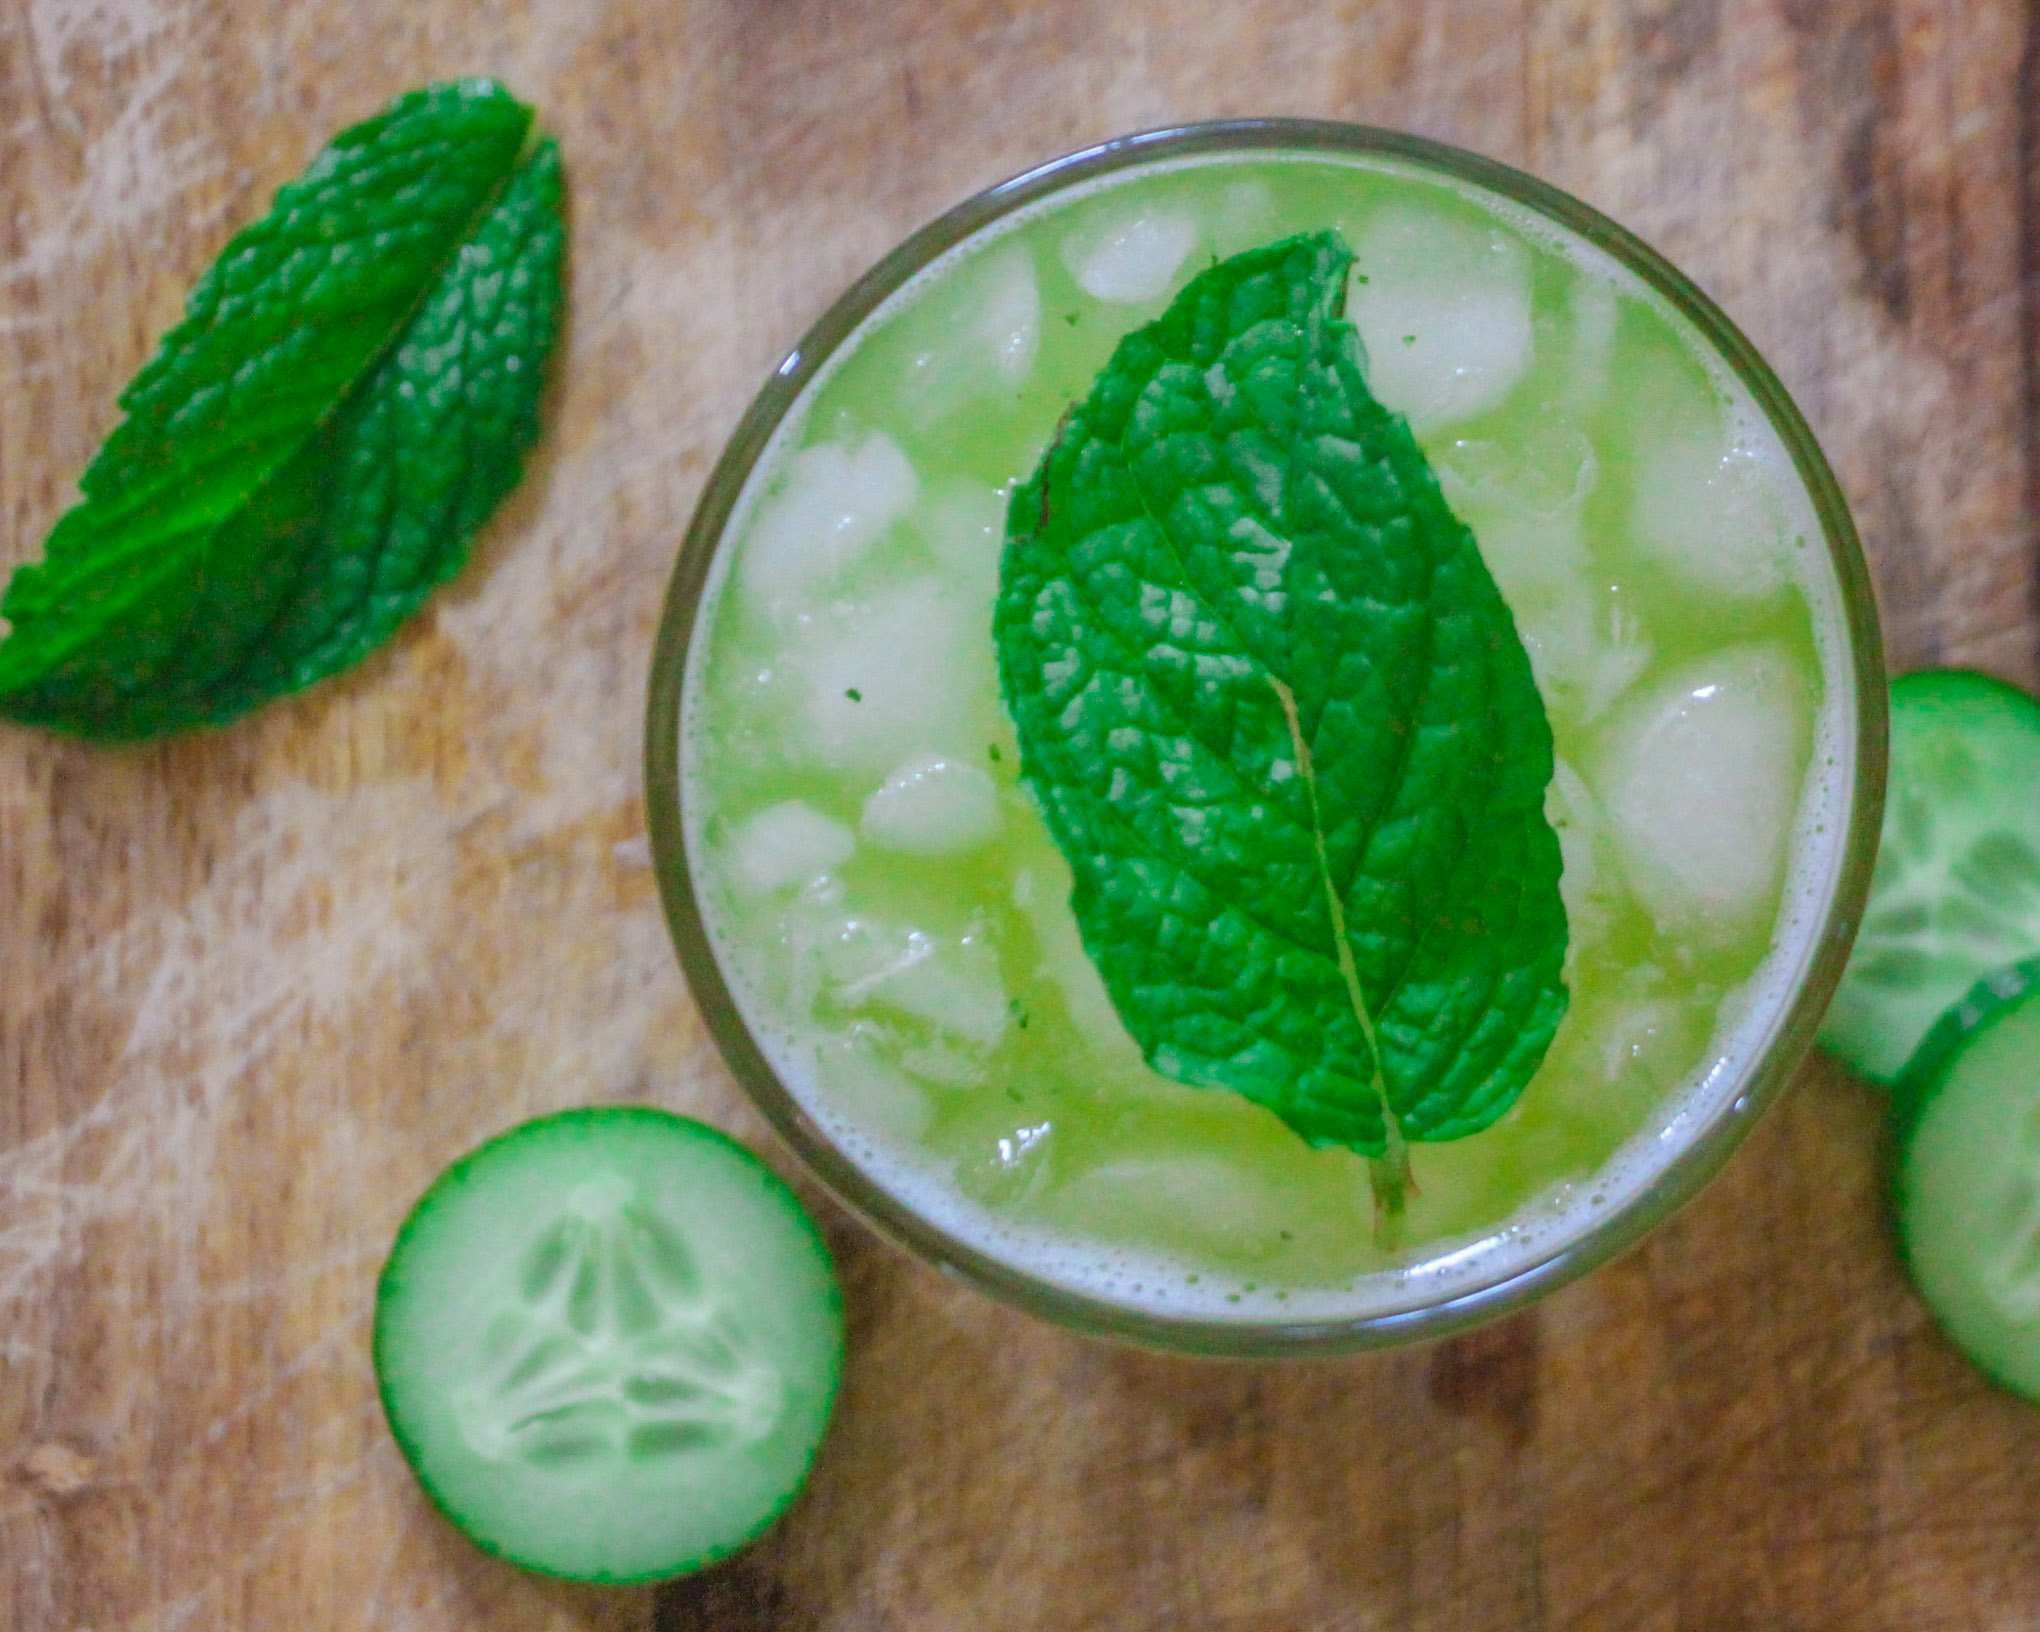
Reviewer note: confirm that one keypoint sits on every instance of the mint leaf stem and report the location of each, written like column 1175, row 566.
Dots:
column 1388, row 1173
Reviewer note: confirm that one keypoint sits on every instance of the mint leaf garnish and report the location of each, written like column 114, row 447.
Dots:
column 1279, row 720
column 314, row 446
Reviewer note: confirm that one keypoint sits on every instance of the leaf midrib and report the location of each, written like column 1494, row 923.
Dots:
column 373, row 361
column 1391, row 1168
column 1342, row 956
column 1136, row 839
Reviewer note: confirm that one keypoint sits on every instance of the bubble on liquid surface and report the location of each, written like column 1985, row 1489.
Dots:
column 1700, row 777
column 611, row 1347
column 837, row 499
column 1708, row 509
column 1130, row 259
column 909, row 671
column 931, row 806
column 786, row 844
column 1444, row 313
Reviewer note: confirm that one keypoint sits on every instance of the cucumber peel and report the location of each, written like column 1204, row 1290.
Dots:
column 1957, row 888
column 608, row 1342
column 1966, row 1185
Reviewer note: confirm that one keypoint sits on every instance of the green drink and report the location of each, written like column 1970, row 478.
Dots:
column 879, row 922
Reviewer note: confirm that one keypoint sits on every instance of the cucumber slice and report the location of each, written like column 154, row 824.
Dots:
column 608, row 1342
column 1967, row 1117
column 1957, row 888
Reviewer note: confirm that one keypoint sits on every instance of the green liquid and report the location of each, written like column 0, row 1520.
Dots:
column 894, row 917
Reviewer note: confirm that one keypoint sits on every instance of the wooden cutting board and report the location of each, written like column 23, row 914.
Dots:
column 256, row 987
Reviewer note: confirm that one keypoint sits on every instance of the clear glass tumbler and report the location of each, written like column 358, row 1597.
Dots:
column 1696, row 1127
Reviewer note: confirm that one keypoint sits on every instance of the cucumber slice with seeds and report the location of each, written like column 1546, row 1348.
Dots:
column 1966, row 1115
column 608, row 1342
column 1957, row 888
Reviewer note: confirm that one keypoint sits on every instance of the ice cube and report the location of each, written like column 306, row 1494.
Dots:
column 876, row 1094
column 1444, row 313
column 1570, row 808
column 836, row 500
column 1648, row 1040
column 957, row 990
column 973, row 338
column 1244, row 219
column 932, row 806
column 1547, row 470
column 830, row 945
column 1586, row 647
column 1709, row 507
column 1187, row 1199
column 1700, row 777
column 1130, row 258
column 1010, row 318
column 920, row 987
column 1624, row 1044
column 1556, row 624
column 1008, row 1160
column 1522, row 496
column 1530, row 555
column 964, row 527
column 787, row 844
column 911, row 671
column 1595, row 316
column 946, row 982
column 1619, row 659
column 1587, row 883
column 944, row 1066
column 1064, row 961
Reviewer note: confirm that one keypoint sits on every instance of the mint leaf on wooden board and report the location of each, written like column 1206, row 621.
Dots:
column 1279, row 720
column 314, row 446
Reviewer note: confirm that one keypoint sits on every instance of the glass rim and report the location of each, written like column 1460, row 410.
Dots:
column 1791, row 1030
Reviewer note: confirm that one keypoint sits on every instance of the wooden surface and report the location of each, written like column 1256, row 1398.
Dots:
column 256, row 988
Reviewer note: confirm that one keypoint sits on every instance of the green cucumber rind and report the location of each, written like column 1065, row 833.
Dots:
column 1957, row 685
column 1923, row 691
column 1927, row 1072
column 458, row 1174
column 1988, row 1002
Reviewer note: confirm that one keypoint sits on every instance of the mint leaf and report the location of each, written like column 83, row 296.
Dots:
column 314, row 446
column 1279, row 720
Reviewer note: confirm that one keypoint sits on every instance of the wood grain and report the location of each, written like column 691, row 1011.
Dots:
column 256, row 987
